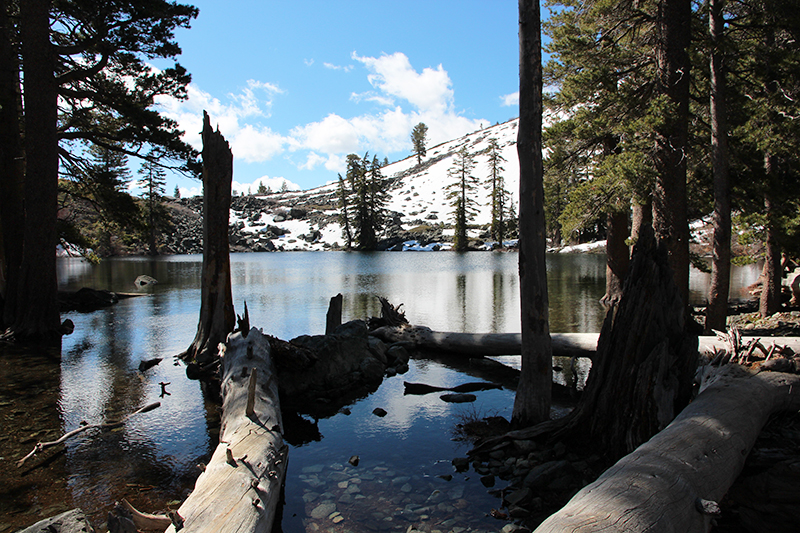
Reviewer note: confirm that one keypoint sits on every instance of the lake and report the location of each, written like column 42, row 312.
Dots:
column 152, row 460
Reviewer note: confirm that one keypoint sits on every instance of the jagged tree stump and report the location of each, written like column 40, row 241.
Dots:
column 217, row 317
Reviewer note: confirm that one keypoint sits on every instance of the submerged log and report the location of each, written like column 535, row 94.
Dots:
column 671, row 482
column 241, row 485
column 564, row 344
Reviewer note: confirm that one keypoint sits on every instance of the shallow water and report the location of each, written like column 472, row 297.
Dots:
column 152, row 460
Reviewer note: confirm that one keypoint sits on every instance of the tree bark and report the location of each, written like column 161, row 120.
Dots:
column 717, row 310
column 217, row 317
column 770, row 301
column 532, row 401
column 241, row 485
column 662, row 485
column 617, row 257
column 670, row 221
column 646, row 358
column 37, row 316
column 12, row 168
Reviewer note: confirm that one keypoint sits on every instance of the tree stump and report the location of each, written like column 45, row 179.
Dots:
column 217, row 317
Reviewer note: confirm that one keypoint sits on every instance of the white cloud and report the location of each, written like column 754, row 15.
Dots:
column 249, row 141
column 429, row 91
column 332, row 135
column 404, row 96
column 510, row 99
column 331, row 66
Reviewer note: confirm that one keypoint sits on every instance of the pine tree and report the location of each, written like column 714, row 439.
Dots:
column 154, row 181
column 461, row 194
column 344, row 212
column 497, row 192
column 177, row 193
column 262, row 189
column 284, row 187
column 418, row 141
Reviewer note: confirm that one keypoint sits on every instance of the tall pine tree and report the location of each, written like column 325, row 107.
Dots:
column 461, row 193
column 153, row 179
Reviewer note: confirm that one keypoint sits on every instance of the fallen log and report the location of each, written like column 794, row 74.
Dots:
column 564, row 344
column 241, row 485
column 481, row 344
column 672, row 482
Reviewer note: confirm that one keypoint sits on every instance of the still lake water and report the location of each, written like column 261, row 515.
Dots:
column 152, row 460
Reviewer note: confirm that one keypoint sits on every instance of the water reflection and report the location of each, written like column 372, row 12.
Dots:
column 151, row 460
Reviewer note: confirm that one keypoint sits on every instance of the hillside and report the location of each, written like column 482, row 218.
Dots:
column 308, row 220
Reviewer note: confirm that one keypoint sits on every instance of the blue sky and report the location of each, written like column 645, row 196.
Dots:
column 297, row 85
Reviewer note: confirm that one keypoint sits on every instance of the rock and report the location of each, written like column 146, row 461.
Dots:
column 458, row 398
column 354, row 328
column 517, row 497
column 354, row 460
column 144, row 280
column 323, row 510
column 372, row 369
column 379, row 412
column 543, row 474
column 396, row 354
column 377, row 348
column 487, row 481
column 461, row 464
column 73, row 521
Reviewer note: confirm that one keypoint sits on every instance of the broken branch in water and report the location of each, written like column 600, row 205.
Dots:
column 104, row 425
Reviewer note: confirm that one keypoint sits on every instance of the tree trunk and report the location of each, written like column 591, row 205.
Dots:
column 241, row 485
column 642, row 220
column 670, row 221
column 217, row 317
column 770, row 301
column 617, row 257
column 12, row 169
column 717, row 310
column 664, row 484
column 532, row 401
column 646, row 358
column 333, row 319
column 37, row 316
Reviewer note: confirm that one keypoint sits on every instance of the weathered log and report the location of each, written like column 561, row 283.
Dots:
column 481, row 344
column 564, row 344
column 668, row 483
column 241, row 485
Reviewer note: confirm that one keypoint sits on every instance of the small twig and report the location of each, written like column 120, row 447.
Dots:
column 771, row 352
column 104, row 425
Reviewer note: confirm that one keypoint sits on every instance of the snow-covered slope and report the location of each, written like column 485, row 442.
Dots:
column 417, row 193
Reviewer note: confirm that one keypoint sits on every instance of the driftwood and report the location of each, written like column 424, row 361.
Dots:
column 564, row 344
column 103, row 425
column 672, row 482
column 241, row 485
